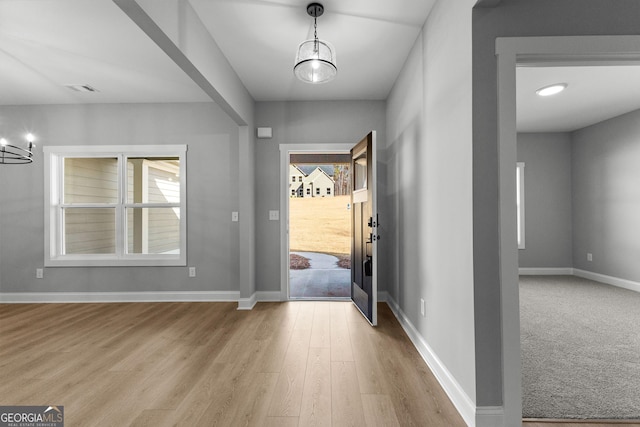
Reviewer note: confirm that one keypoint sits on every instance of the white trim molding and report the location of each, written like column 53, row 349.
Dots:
column 463, row 403
column 259, row 296
column 545, row 271
column 609, row 280
column 105, row 297
column 268, row 296
column 247, row 303
column 285, row 152
column 510, row 52
column 568, row 271
column 489, row 416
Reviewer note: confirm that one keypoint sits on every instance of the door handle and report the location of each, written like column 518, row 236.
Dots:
column 367, row 266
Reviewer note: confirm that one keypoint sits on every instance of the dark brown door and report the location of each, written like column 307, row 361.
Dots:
column 364, row 285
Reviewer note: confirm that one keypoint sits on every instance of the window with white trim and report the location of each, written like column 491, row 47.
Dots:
column 115, row 205
column 520, row 203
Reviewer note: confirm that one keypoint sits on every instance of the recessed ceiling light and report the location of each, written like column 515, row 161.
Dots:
column 552, row 89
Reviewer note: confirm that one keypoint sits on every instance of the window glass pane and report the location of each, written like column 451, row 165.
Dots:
column 360, row 173
column 90, row 180
column 153, row 230
column 153, row 180
column 89, row 230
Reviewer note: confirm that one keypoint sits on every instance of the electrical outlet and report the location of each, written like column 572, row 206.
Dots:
column 39, row 273
column 192, row 272
column 422, row 306
column 234, row 216
column 274, row 215
column 589, row 257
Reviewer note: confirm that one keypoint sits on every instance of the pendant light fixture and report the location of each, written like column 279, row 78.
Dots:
column 13, row 154
column 316, row 59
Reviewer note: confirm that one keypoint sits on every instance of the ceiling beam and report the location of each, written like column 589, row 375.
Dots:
column 178, row 31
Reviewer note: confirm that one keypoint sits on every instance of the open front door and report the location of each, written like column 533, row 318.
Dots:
column 364, row 220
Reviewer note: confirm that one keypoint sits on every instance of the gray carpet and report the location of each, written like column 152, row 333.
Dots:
column 580, row 349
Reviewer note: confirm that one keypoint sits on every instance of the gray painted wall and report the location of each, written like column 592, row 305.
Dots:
column 606, row 197
column 429, row 196
column 547, row 180
column 516, row 18
column 212, row 156
column 321, row 122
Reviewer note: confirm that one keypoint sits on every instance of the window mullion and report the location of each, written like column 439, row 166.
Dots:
column 121, row 229
column 60, row 232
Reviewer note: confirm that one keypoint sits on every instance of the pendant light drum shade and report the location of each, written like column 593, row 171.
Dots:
column 315, row 59
column 315, row 62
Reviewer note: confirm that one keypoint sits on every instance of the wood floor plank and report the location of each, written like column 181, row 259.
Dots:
column 281, row 422
column 321, row 326
column 408, row 379
column 346, row 400
column 371, row 379
column 288, row 393
column 379, row 411
column 189, row 364
column 304, row 318
column 341, row 350
column 315, row 406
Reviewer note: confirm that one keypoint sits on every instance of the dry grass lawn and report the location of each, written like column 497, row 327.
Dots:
column 320, row 224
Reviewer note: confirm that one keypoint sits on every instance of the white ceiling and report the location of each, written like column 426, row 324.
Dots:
column 46, row 44
column 593, row 94
column 260, row 38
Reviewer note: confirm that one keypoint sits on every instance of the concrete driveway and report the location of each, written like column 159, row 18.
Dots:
column 324, row 279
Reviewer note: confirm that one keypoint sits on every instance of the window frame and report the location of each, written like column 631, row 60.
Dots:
column 520, row 211
column 54, row 180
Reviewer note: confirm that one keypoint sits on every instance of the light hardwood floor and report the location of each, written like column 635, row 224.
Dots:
column 208, row 364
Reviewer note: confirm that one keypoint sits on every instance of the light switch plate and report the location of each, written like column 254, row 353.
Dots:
column 274, row 215
column 234, row 216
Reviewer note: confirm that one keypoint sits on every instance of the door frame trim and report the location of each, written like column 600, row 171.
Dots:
column 510, row 52
column 285, row 151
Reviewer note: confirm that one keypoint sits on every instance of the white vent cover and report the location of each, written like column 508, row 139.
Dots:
column 82, row 88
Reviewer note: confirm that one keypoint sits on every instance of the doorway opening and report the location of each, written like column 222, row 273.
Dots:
column 513, row 53
column 319, row 195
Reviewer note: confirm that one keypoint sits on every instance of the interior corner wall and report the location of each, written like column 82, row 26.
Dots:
column 429, row 196
column 547, row 196
column 302, row 122
column 212, row 194
column 518, row 18
column 247, row 211
column 606, row 197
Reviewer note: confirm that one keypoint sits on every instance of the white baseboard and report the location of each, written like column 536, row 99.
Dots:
column 268, row 296
column 104, row 297
column 465, row 406
column 554, row 271
column 568, row 271
column 247, row 303
column 259, row 296
column 489, row 416
column 609, row 280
